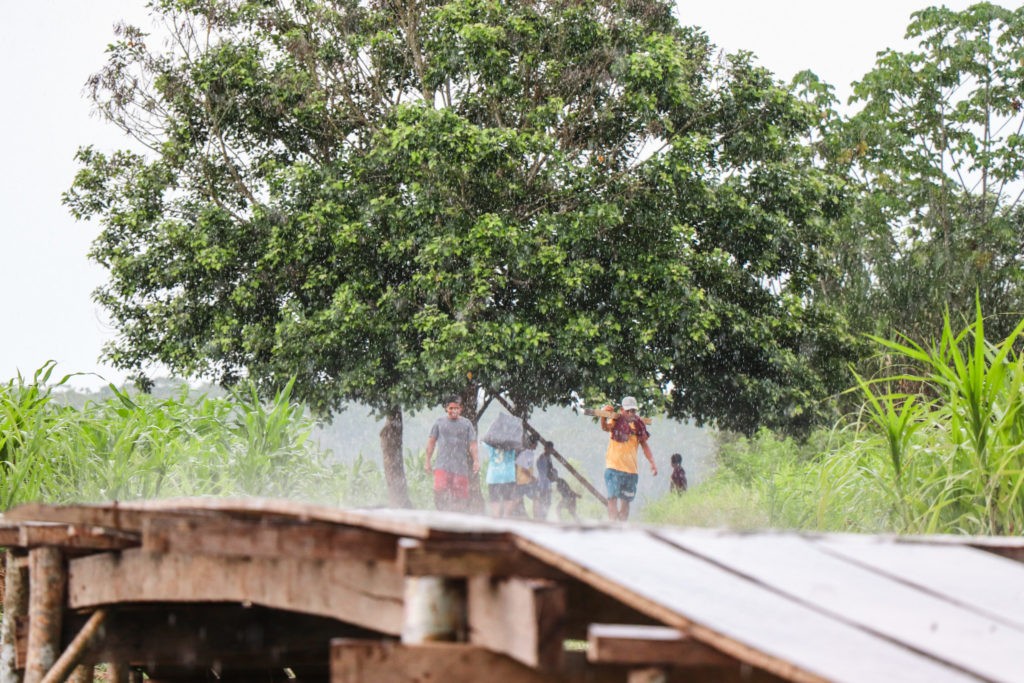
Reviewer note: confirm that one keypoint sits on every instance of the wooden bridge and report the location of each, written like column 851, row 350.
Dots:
column 260, row 590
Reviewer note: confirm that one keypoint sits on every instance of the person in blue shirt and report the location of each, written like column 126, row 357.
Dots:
column 502, row 495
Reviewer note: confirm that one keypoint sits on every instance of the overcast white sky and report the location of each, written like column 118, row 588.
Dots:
column 49, row 47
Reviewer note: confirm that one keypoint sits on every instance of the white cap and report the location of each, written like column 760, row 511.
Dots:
column 629, row 403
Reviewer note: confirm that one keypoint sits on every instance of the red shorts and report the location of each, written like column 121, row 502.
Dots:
column 456, row 484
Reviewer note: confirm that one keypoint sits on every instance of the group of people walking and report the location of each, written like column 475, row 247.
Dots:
column 515, row 472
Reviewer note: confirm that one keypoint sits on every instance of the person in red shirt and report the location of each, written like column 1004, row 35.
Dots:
column 455, row 439
column 627, row 434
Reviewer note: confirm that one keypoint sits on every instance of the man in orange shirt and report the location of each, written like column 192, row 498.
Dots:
column 627, row 433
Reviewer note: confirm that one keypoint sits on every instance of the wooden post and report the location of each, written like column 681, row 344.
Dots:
column 47, row 581
column 435, row 609
column 15, row 608
column 521, row 618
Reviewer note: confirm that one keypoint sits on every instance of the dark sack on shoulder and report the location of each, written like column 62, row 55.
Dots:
column 506, row 433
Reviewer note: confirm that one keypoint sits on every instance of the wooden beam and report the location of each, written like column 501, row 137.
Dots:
column 522, row 618
column 464, row 558
column 47, row 578
column 112, row 516
column 76, row 649
column 649, row 645
column 8, row 535
column 74, row 536
column 130, row 516
column 225, row 537
column 354, row 661
column 367, row 594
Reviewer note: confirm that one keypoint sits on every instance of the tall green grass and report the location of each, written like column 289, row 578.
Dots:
column 136, row 446
column 937, row 446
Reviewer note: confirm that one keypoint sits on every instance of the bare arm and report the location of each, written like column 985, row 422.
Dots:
column 475, row 454
column 650, row 457
column 431, row 442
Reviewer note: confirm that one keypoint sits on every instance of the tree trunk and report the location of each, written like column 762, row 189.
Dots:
column 394, row 466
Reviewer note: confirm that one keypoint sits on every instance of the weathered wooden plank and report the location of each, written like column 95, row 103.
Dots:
column 130, row 516
column 793, row 566
column 265, row 538
column 357, row 661
column 364, row 661
column 9, row 534
column 522, row 618
column 962, row 575
column 463, row 558
column 74, row 536
column 740, row 618
column 113, row 515
column 633, row 644
column 1010, row 547
column 367, row 594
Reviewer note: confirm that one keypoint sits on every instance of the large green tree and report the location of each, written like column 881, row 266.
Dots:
column 936, row 143
column 394, row 200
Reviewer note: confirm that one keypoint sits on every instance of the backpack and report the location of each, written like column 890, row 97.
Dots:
column 506, row 433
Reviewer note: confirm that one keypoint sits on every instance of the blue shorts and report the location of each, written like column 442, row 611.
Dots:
column 620, row 484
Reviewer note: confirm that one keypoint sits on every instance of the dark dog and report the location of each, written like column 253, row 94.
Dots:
column 567, row 499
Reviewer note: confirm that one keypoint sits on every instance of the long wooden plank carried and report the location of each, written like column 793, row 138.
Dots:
column 874, row 602
column 741, row 618
column 601, row 412
column 950, row 572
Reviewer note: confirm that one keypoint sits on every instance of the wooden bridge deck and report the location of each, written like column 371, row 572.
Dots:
column 214, row 589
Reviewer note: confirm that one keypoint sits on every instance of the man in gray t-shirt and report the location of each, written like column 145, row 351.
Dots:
column 454, row 437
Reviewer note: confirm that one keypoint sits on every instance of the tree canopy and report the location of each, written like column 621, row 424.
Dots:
column 391, row 200
column 936, row 144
